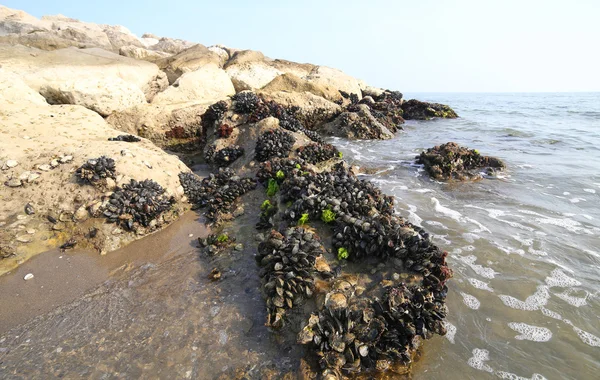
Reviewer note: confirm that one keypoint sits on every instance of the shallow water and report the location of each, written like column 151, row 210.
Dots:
column 524, row 302
column 524, row 246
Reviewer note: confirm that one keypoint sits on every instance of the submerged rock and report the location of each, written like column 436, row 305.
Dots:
column 452, row 161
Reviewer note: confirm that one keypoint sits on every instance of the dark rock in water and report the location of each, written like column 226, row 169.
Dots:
column 126, row 138
column 452, row 161
column 137, row 203
column 96, row 169
column 223, row 157
column 314, row 153
column 274, row 143
column 417, row 110
column 218, row 192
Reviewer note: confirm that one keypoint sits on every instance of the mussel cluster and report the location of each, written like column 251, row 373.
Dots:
column 315, row 153
column 96, row 169
column 452, row 161
column 274, row 143
column 213, row 114
column 288, row 270
column 245, row 102
column 137, row 203
column 223, row 157
column 218, row 192
column 214, row 244
column 268, row 210
column 353, row 333
column 269, row 169
column 126, row 138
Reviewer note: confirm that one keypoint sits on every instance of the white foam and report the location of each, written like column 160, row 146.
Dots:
column 591, row 191
column 471, row 237
column 566, row 223
column 573, row 300
column 469, row 248
column 480, row 284
column 587, row 217
column 577, row 200
column 470, row 301
column 536, row 252
column 566, row 193
column 477, row 361
column 450, row 331
column 496, row 214
column 587, row 338
column 479, row 269
column 443, row 239
column 550, row 313
column 424, row 190
column 526, row 242
column 436, row 224
column 558, row 278
column 534, row 302
column 512, row 376
column 529, row 332
column 413, row 217
column 445, row 210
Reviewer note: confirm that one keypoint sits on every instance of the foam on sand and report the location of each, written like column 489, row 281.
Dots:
column 470, row 301
column 573, row 300
column 479, row 269
column 477, row 361
column 529, row 332
column 533, row 302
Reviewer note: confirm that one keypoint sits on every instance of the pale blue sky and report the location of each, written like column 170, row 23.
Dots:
column 415, row 45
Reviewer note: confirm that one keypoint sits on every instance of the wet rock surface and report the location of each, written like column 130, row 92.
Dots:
column 417, row 110
column 451, row 161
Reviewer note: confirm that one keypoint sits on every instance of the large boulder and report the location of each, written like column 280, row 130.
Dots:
column 45, row 145
column 188, row 60
column 171, row 45
column 86, row 33
column 120, row 36
column 207, row 83
column 14, row 21
column 289, row 82
column 103, row 95
column 143, row 54
column 334, row 80
column 357, row 124
column 311, row 110
column 53, row 68
column 161, row 123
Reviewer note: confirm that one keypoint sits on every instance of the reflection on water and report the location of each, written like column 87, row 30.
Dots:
column 524, row 302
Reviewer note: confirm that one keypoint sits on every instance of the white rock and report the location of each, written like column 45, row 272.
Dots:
column 54, row 163
column 103, row 95
column 33, row 176
column 14, row 182
column 336, row 79
column 207, row 83
column 44, row 167
column 251, row 75
column 28, row 276
column 11, row 164
column 23, row 239
column 137, row 52
column 24, row 176
column 66, row 159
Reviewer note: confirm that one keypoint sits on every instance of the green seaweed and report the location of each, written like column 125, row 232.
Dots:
column 280, row 174
column 272, row 187
column 303, row 220
column 223, row 238
column 340, row 155
column 298, row 166
column 343, row 253
column 266, row 205
column 328, row 216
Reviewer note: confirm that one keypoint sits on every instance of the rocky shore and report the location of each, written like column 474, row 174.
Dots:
column 100, row 129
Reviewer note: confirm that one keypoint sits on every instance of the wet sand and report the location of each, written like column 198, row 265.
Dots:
column 61, row 277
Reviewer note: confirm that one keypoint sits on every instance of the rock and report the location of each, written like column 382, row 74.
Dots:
column 249, row 71
column 15, row 91
column 171, row 45
column 66, row 159
column 189, row 60
column 23, row 239
column 54, row 163
column 291, row 83
column 334, row 80
column 143, row 54
column 417, row 110
column 205, row 84
column 372, row 91
column 336, row 301
column 44, row 167
column 10, row 164
column 13, row 182
column 221, row 51
column 119, row 36
column 239, row 247
column 81, row 214
column 68, row 67
column 28, row 276
column 103, row 95
column 357, row 125
column 452, row 161
column 159, row 121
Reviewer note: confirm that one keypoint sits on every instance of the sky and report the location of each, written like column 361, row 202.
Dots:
column 409, row 46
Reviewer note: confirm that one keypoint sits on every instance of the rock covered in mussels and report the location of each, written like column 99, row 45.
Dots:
column 417, row 110
column 96, row 169
column 223, row 157
column 288, row 270
column 452, row 161
column 274, row 143
column 214, row 114
column 137, row 203
column 315, row 153
column 126, row 138
column 218, row 192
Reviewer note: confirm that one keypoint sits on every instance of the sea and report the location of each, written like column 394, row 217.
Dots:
column 524, row 245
